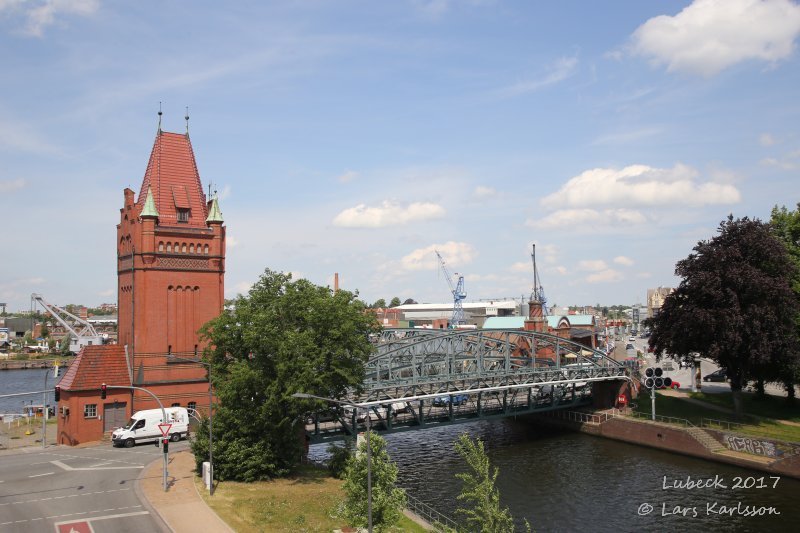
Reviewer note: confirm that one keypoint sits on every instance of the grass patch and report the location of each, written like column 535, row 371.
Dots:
column 305, row 502
column 775, row 407
column 759, row 425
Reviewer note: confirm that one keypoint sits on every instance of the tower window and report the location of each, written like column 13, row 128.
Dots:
column 183, row 215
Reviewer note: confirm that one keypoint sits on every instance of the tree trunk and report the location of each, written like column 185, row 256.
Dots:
column 790, row 393
column 760, row 392
column 736, row 394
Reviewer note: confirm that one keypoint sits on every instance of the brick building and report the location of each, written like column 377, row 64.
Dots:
column 170, row 267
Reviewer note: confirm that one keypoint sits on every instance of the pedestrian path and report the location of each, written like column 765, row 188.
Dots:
column 181, row 507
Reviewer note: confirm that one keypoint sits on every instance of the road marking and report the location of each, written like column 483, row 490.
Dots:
column 91, row 519
column 40, row 475
column 67, row 467
column 61, row 497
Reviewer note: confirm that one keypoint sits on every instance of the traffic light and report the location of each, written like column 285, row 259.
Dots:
column 165, row 444
column 57, row 393
column 649, row 380
column 103, row 391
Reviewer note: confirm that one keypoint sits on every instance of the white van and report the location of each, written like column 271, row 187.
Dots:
column 143, row 426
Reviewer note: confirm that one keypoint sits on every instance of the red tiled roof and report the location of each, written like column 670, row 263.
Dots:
column 95, row 365
column 172, row 176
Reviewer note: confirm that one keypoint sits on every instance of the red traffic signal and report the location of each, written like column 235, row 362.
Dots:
column 57, row 393
column 103, row 391
column 165, row 444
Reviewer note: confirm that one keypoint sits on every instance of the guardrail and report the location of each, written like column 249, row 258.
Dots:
column 581, row 417
column 439, row 521
column 721, row 424
column 665, row 419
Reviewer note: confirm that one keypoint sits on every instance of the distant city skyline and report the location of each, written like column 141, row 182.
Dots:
column 358, row 137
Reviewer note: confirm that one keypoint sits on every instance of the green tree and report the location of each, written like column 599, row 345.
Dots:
column 388, row 501
column 283, row 337
column 380, row 302
column 786, row 227
column 734, row 305
column 483, row 511
column 395, row 302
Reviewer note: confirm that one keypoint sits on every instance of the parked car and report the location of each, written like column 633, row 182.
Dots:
column 630, row 346
column 457, row 399
column 717, row 375
column 675, row 385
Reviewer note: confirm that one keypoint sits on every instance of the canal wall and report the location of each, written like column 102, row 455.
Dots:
column 25, row 364
column 696, row 442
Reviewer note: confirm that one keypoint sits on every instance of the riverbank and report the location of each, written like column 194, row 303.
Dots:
column 28, row 364
column 678, row 436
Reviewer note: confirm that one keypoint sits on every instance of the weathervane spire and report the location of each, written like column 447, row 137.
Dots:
column 159, row 117
column 187, row 120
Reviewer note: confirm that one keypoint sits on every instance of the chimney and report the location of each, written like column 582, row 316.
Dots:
column 335, row 282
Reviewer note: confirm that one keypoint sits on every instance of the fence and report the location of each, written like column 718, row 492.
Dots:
column 713, row 423
column 20, row 431
column 439, row 521
column 665, row 419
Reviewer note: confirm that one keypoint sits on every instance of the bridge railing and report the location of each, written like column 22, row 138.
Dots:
column 713, row 423
column 665, row 419
column 439, row 521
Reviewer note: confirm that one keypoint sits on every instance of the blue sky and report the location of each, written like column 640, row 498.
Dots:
column 358, row 136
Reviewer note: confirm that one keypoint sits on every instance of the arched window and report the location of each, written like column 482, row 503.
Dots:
column 205, row 249
column 160, row 246
column 169, row 247
column 191, row 248
column 183, row 248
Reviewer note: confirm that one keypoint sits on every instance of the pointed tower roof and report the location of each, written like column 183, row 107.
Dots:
column 149, row 206
column 173, row 181
column 214, row 213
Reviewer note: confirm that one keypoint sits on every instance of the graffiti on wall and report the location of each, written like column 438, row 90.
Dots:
column 748, row 445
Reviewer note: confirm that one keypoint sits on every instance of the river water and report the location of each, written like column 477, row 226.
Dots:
column 564, row 481
column 560, row 480
column 15, row 381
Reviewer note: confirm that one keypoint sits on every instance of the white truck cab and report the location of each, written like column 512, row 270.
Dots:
column 143, row 426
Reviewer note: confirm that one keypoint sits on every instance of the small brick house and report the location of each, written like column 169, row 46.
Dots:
column 170, row 267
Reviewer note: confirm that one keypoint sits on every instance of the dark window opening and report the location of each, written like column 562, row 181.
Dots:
column 183, row 215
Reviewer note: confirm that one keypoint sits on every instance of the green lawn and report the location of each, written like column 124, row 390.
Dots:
column 762, row 423
column 306, row 502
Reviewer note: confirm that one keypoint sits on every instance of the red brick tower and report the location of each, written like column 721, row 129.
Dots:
column 170, row 267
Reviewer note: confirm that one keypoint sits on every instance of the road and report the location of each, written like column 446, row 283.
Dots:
column 53, row 489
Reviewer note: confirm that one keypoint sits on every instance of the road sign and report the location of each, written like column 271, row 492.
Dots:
column 164, row 429
column 75, row 527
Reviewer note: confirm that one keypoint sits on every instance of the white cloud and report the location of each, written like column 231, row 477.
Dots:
column 765, row 139
column 43, row 13
column 482, row 193
column 348, row 176
column 107, row 293
column 711, row 35
column 231, row 242
column 592, row 265
column 605, row 276
column 589, row 217
column 641, row 185
column 243, row 287
column 521, row 266
column 622, row 260
column 388, row 214
column 625, row 137
column 7, row 186
column 560, row 70
column 788, row 161
column 455, row 254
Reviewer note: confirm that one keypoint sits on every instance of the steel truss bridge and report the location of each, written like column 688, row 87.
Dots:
column 422, row 378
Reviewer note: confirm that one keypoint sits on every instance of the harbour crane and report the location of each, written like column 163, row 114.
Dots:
column 458, row 294
column 81, row 332
column 537, row 293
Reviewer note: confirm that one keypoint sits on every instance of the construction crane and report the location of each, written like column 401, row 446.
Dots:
column 537, row 293
column 458, row 294
column 81, row 332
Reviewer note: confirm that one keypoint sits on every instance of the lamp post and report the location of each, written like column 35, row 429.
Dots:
column 210, row 421
column 369, row 448
column 44, row 405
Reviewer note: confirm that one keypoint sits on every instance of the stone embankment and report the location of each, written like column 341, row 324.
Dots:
column 23, row 364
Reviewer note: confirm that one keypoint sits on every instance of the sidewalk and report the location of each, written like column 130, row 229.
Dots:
column 181, row 507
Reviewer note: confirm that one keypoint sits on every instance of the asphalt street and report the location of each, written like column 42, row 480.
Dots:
column 77, row 489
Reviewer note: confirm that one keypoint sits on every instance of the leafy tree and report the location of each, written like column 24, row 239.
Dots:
column 409, row 301
column 340, row 457
column 380, row 302
column 735, row 305
column 388, row 501
column 395, row 302
column 483, row 512
column 283, row 337
column 786, row 227
column 45, row 331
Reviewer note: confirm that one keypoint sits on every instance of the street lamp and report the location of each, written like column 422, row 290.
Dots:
column 369, row 448
column 210, row 421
